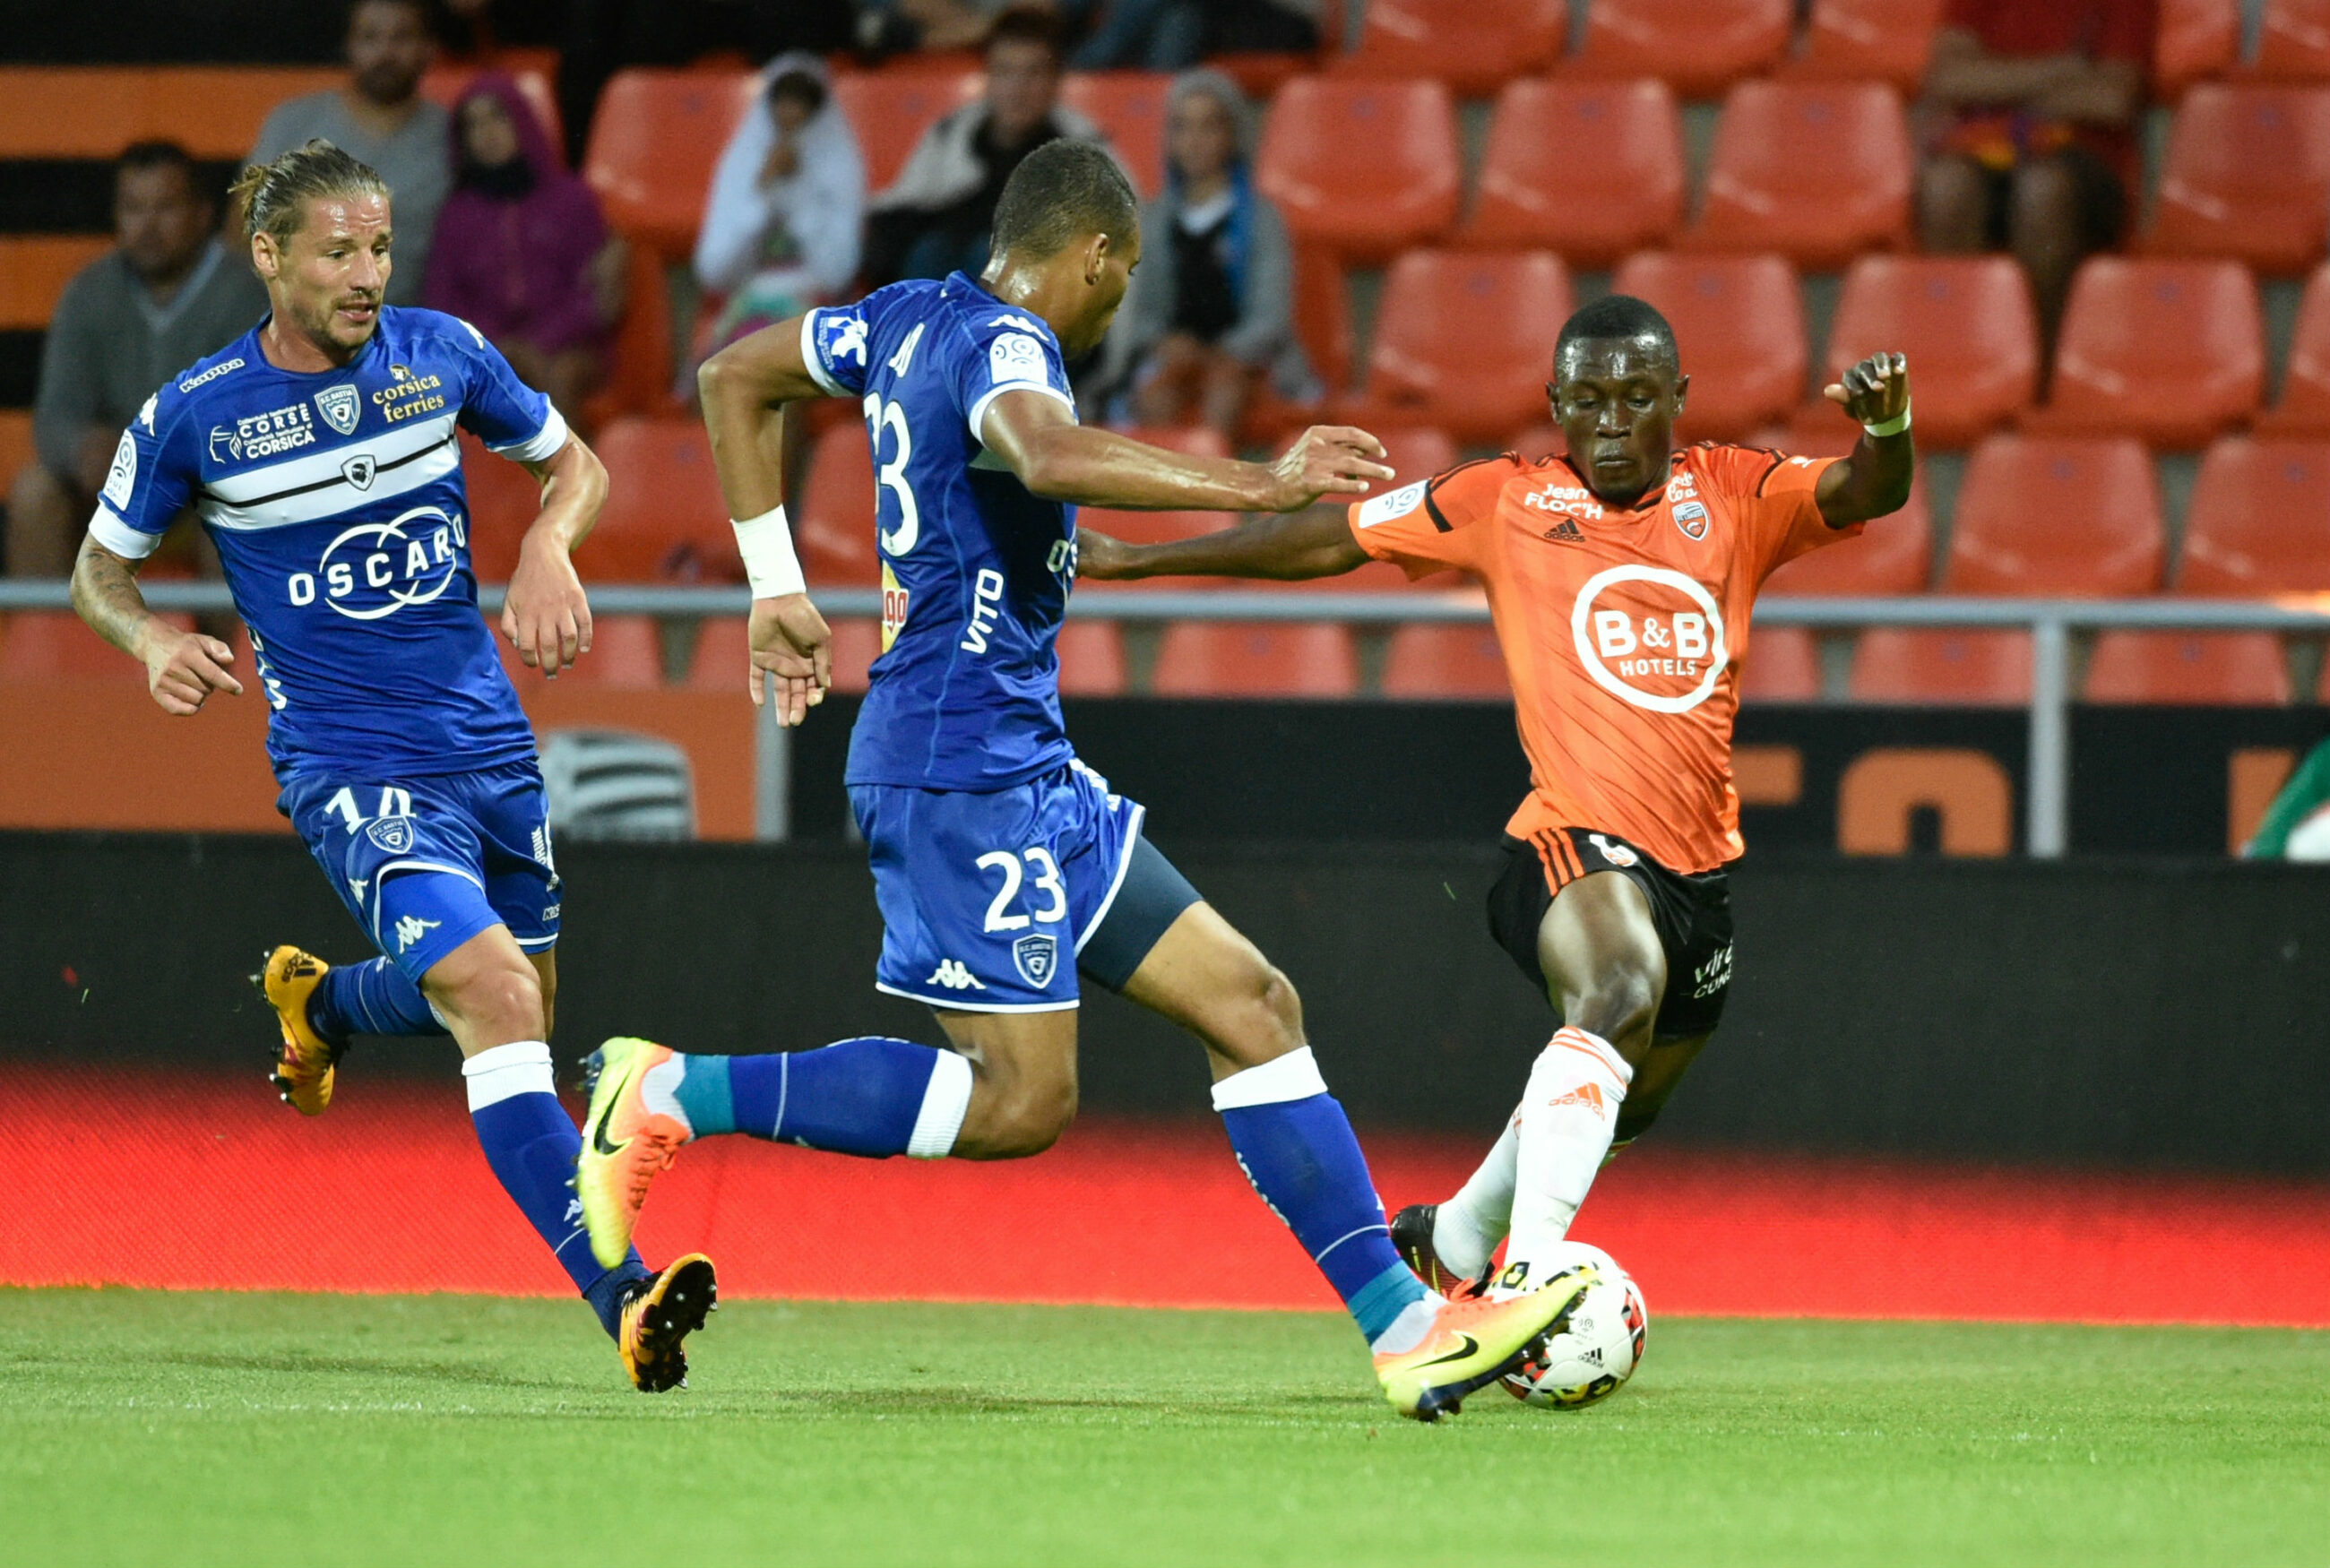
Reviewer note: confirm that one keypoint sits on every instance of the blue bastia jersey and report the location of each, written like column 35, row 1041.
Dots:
column 336, row 502
column 975, row 569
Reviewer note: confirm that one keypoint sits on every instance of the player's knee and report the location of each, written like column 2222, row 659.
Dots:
column 1027, row 1116
column 1619, row 1005
column 505, row 997
column 1263, row 1019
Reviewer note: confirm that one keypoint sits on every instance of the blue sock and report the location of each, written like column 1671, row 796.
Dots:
column 1295, row 1146
column 870, row 1096
column 532, row 1145
column 374, row 997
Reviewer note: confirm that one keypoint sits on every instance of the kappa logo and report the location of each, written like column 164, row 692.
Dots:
column 1614, row 852
column 359, row 471
column 217, row 371
column 1037, row 958
column 392, row 834
column 954, row 977
column 146, row 413
column 1565, row 532
column 1588, row 1095
column 410, row 930
column 340, row 407
column 1009, row 319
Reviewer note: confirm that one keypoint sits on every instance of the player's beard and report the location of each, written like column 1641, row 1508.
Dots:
column 323, row 328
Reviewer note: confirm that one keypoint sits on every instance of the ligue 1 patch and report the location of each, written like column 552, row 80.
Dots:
column 391, row 834
column 1691, row 516
column 1038, row 957
column 1397, row 503
column 339, row 406
column 359, row 469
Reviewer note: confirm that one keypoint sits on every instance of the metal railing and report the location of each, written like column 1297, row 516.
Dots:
column 2051, row 623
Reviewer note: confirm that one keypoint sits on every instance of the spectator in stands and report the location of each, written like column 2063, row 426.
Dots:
column 380, row 118
column 2032, row 145
column 168, row 295
column 523, row 254
column 934, row 219
column 788, row 201
column 1211, row 310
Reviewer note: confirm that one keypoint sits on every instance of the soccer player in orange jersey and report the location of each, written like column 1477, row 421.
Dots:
column 1621, row 577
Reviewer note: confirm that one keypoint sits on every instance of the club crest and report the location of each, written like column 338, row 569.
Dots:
column 359, row 469
column 392, row 834
column 339, row 407
column 1691, row 516
column 1037, row 956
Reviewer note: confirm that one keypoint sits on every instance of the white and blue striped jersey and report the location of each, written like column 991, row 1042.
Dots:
column 336, row 502
column 975, row 569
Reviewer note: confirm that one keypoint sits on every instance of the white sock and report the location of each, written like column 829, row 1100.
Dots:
column 945, row 1099
column 1568, row 1116
column 660, row 1088
column 520, row 1067
column 1407, row 1330
column 1466, row 1228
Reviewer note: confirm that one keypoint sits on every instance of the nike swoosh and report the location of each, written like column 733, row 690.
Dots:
column 1471, row 1348
column 598, row 1128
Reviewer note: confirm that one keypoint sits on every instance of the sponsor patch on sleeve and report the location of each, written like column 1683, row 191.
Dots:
column 1393, row 503
column 1014, row 356
column 122, row 477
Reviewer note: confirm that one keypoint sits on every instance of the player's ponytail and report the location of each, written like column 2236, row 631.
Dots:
column 272, row 198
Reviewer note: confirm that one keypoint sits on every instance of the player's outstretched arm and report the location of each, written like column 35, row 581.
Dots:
column 1037, row 439
column 182, row 668
column 1316, row 542
column 546, row 614
column 1874, row 480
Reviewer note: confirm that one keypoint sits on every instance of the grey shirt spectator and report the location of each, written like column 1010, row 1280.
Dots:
column 415, row 160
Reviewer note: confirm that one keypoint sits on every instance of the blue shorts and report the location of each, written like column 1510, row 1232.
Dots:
column 989, row 900
column 426, row 864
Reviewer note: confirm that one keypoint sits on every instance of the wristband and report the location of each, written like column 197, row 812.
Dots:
column 767, row 544
column 1893, row 427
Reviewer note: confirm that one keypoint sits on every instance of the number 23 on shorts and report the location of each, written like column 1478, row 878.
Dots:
column 1047, row 881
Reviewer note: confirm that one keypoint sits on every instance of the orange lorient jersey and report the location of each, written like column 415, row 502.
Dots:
column 1622, row 628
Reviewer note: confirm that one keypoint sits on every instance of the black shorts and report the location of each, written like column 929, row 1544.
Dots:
column 1692, row 915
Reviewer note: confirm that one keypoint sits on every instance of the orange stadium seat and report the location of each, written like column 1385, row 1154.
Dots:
column 2293, row 40
column 626, row 655
column 504, row 501
column 1962, row 668
column 1476, row 46
column 1256, row 660
column 1886, row 40
column 55, row 645
column 1698, row 47
column 1465, row 339
column 1740, row 324
column 2171, row 352
column 1818, row 171
column 833, row 527
column 2223, row 669
column 1367, row 168
column 2258, row 525
column 445, row 84
column 1446, row 661
column 33, row 271
column 641, row 367
column 1589, row 169
column 2065, row 515
column 1092, row 659
column 2305, row 405
column 1129, row 107
column 654, row 141
column 2248, row 177
column 665, row 517
column 1966, row 322
column 1782, row 664
column 1322, row 324
column 1418, row 451
column 94, row 111
column 888, row 112
column 16, row 446
column 2197, row 39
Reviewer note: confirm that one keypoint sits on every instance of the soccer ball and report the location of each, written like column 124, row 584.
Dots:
column 1593, row 1347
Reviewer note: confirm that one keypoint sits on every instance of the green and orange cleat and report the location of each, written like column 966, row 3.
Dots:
column 1473, row 1341
column 625, row 1144
column 660, row 1319
column 304, row 1071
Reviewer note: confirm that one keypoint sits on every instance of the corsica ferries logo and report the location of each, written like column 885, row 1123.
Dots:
column 408, row 395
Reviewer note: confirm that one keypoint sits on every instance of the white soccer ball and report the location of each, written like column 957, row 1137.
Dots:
column 1595, row 1346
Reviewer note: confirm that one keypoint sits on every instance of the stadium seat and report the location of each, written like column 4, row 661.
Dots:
column 1476, row 46
column 888, row 112
column 2221, row 669
column 654, row 141
column 1366, row 168
column 445, row 84
column 665, row 517
column 833, row 527
column 626, row 655
column 1782, row 664
column 2248, row 177
column 1966, row 322
column 1740, row 326
column 1588, row 169
column 1092, row 659
column 94, row 111
column 1886, row 40
column 2258, row 523
column 1256, row 660
column 504, row 501
column 2197, row 39
column 55, row 645
column 1465, row 339
column 16, row 446
column 1961, row 668
column 1698, row 47
column 1418, row 451
column 1459, row 662
column 2304, row 408
column 33, row 271
column 1322, row 325
column 2065, row 515
column 1129, row 107
column 641, row 366
column 2171, row 352
column 1817, row 171
column 2293, row 40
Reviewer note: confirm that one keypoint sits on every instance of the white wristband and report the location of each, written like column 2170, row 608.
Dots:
column 1893, row 427
column 767, row 544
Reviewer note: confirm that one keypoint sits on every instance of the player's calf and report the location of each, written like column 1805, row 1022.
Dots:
column 1023, row 1086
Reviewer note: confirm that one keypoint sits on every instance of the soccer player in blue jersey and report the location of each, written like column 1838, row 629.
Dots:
column 1003, row 865
column 319, row 451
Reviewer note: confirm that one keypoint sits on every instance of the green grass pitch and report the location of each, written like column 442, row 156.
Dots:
column 148, row 1427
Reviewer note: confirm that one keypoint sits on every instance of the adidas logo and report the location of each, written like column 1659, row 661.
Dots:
column 1565, row 532
column 1588, row 1095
